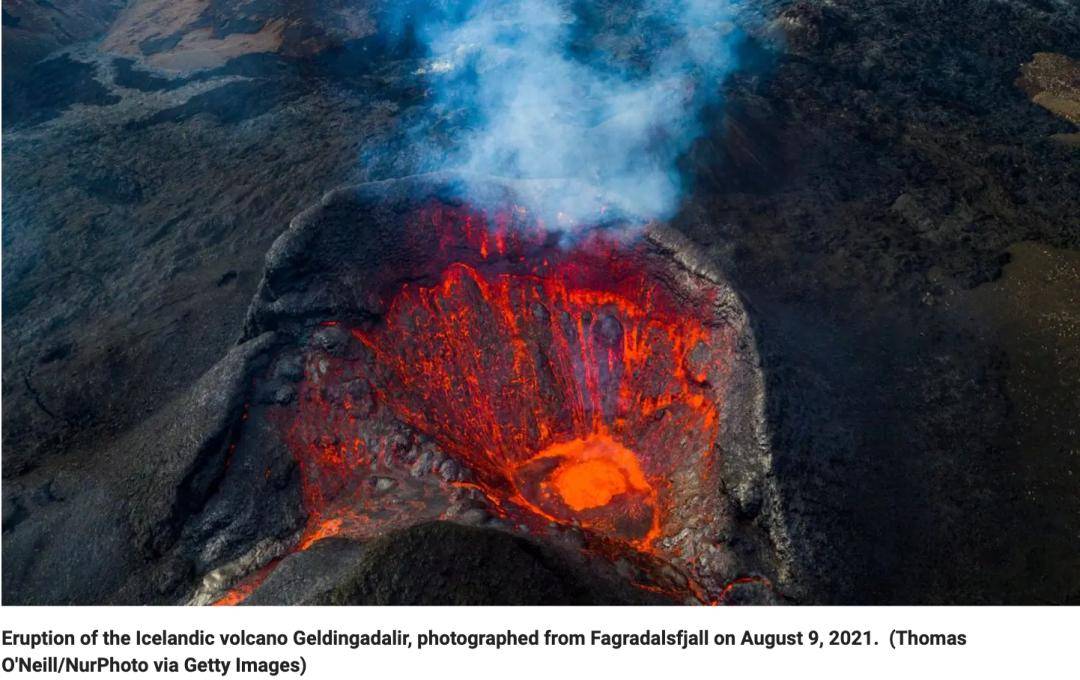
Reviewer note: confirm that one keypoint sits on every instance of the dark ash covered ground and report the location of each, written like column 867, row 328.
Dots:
column 895, row 195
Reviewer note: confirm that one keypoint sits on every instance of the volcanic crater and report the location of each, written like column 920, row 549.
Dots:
column 439, row 353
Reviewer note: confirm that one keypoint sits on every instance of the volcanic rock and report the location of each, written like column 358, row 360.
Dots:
column 441, row 564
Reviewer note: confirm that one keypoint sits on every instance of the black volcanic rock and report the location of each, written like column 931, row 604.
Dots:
column 46, row 88
column 34, row 29
column 440, row 563
column 159, row 507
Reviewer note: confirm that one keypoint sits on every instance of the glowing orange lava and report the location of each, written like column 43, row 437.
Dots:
column 593, row 471
column 570, row 384
column 573, row 388
column 498, row 366
column 590, row 483
column 593, row 481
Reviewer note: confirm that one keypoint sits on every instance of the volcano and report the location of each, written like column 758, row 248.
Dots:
column 592, row 387
column 885, row 199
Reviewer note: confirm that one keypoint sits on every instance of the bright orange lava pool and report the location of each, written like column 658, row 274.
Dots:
column 592, row 480
column 593, row 471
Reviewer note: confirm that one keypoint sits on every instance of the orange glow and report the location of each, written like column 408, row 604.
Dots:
column 497, row 367
column 319, row 530
column 592, row 471
column 593, row 481
column 590, row 483
column 572, row 387
column 246, row 587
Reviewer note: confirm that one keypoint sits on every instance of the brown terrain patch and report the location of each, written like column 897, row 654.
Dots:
column 1053, row 82
column 188, row 35
column 199, row 49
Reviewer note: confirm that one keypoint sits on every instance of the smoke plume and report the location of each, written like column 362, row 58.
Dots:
column 607, row 94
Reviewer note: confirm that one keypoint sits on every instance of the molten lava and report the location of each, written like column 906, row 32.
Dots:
column 571, row 388
column 585, row 360
column 590, row 483
column 591, row 472
column 594, row 481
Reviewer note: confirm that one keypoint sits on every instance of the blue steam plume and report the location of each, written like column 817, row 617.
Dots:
column 606, row 94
